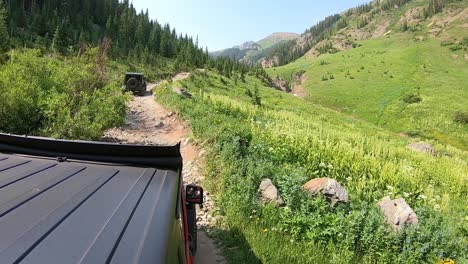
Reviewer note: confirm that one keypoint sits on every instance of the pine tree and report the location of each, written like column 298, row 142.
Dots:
column 164, row 45
column 57, row 43
column 109, row 27
column 4, row 39
column 82, row 37
column 405, row 26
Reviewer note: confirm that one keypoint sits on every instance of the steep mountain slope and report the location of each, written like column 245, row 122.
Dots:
column 251, row 52
column 372, row 20
column 400, row 71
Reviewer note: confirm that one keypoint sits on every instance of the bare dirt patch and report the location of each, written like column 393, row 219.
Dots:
column 413, row 16
column 298, row 88
column 149, row 123
column 181, row 76
column 380, row 28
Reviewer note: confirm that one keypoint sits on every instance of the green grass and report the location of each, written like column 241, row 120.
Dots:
column 273, row 40
column 371, row 81
column 291, row 141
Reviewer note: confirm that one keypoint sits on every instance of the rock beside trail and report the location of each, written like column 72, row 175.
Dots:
column 182, row 92
column 269, row 193
column 397, row 212
column 329, row 188
column 159, row 125
column 423, row 147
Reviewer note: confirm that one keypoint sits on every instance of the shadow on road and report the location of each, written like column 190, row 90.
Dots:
column 235, row 246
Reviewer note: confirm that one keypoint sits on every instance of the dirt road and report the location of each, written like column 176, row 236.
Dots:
column 150, row 123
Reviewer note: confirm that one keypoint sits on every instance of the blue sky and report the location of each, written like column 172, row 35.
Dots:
column 222, row 24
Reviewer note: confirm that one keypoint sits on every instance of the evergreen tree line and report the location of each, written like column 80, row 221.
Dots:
column 389, row 4
column 359, row 10
column 4, row 40
column 436, row 6
column 292, row 50
column 65, row 26
column 362, row 21
column 233, row 69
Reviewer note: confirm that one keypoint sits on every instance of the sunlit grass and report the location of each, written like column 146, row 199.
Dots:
column 291, row 141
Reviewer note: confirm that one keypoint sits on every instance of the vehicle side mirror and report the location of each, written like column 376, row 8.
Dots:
column 194, row 194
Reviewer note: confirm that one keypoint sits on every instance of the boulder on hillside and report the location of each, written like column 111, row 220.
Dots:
column 423, row 147
column 329, row 188
column 397, row 212
column 182, row 92
column 269, row 193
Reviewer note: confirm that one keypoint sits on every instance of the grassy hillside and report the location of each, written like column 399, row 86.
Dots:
column 276, row 38
column 410, row 82
column 372, row 82
column 255, row 132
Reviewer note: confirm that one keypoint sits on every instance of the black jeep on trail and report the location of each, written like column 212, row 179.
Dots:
column 135, row 83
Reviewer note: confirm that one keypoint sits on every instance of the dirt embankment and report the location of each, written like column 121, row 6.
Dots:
column 149, row 123
column 298, row 85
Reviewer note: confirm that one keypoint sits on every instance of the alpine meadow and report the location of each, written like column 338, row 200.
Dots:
column 347, row 143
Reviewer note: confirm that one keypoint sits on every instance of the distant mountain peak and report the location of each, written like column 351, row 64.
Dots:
column 248, row 45
column 251, row 51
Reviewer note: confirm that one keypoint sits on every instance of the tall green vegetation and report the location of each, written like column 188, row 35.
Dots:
column 70, row 98
column 290, row 141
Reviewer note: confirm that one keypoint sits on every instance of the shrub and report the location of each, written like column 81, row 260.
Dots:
column 461, row 117
column 456, row 47
column 63, row 99
column 446, row 43
column 412, row 98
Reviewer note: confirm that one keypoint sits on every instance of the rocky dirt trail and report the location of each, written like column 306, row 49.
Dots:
column 149, row 123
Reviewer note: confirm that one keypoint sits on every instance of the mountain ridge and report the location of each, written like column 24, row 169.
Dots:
column 252, row 51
